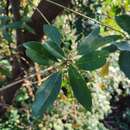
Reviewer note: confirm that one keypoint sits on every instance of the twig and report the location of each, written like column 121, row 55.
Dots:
column 43, row 16
column 44, row 73
column 38, row 74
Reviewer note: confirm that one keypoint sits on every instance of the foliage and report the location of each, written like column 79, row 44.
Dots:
column 80, row 60
column 66, row 113
column 47, row 94
column 91, row 59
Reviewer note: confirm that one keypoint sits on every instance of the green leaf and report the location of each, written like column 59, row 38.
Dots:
column 36, row 52
column 124, row 63
column 54, row 50
column 124, row 22
column 15, row 25
column 53, row 33
column 123, row 45
column 46, row 94
column 79, row 87
column 43, row 54
column 111, row 38
column 92, row 60
column 4, row 18
column 94, row 41
column 29, row 28
column 87, row 42
column 111, row 49
column 4, row 71
column 7, row 36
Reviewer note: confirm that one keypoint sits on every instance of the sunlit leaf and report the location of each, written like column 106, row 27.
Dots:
column 92, row 60
column 94, row 41
column 123, row 45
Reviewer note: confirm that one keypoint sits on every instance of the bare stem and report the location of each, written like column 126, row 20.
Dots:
column 45, row 74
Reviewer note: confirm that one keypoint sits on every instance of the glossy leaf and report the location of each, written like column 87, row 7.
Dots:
column 111, row 38
column 53, row 33
column 94, row 41
column 54, row 50
column 123, row 46
column 47, row 94
column 124, row 63
column 124, row 22
column 79, row 87
column 43, row 54
column 87, row 42
column 92, row 60
column 111, row 48
column 35, row 51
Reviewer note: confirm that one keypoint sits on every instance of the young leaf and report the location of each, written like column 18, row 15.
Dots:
column 124, row 22
column 124, row 63
column 53, row 33
column 79, row 87
column 92, row 60
column 46, row 94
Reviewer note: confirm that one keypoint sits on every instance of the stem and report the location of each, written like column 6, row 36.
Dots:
column 43, row 16
column 38, row 10
column 45, row 73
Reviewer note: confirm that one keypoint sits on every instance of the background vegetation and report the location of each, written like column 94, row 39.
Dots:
column 98, row 29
